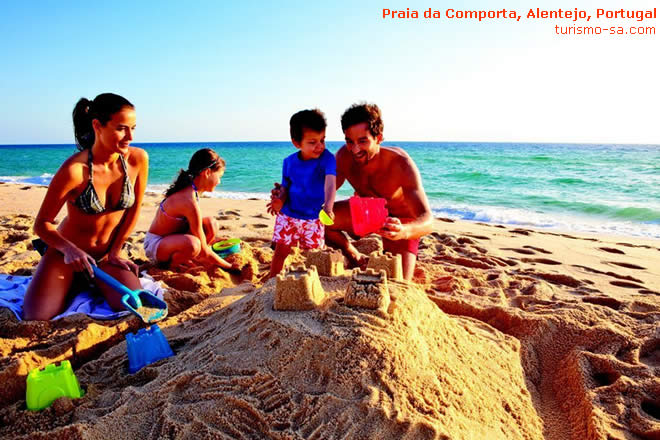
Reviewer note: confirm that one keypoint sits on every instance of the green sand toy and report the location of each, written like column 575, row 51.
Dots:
column 47, row 385
column 227, row 247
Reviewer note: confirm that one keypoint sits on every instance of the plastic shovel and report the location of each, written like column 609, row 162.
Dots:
column 142, row 303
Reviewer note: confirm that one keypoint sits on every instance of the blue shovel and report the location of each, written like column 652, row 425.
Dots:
column 142, row 303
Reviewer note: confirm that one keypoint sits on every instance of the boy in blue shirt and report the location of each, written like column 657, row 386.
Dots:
column 308, row 185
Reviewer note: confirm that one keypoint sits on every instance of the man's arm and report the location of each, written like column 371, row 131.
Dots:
column 421, row 221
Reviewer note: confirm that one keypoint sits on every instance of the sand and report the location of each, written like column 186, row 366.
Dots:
column 505, row 333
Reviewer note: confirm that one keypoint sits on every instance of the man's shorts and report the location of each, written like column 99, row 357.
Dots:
column 305, row 234
column 401, row 246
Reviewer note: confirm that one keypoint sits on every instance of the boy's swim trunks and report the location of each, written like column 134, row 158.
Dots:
column 306, row 234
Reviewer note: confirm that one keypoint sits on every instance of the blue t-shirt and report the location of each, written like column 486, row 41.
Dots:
column 305, row 184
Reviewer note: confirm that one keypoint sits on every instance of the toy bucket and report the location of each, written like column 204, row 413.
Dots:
column 227, row 247
column 368, row 214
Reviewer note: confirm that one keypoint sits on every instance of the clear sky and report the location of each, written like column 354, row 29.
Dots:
column 236, row 70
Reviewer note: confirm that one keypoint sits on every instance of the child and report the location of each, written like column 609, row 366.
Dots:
column 178, row 234
column 308, row 185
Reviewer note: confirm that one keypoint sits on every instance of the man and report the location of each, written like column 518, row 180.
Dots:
column 377, row 171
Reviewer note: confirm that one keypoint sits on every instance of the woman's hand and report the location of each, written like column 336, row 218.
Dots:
column 128, row 265
column 78, row 259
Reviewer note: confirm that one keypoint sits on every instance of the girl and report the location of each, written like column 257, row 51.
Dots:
column 179, row 235
column 102, row 187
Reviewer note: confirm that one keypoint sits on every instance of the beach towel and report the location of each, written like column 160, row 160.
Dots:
column 12, row 293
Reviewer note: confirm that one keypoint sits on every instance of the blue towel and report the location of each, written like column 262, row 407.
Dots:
column 12, row 293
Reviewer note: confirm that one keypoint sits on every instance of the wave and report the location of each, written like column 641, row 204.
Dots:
column 556, row 221
column 44, row 179
column 573, row 216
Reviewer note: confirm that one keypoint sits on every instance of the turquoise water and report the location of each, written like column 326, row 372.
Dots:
column 589, row 188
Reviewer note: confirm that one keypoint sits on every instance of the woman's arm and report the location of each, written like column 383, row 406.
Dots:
column 130, row 218
column 60, row 189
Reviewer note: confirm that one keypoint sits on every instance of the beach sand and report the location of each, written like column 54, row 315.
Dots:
column 505, row 333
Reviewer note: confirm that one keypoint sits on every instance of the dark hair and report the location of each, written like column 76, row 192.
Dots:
column 201, row 160
column 310, row 119
column 102, row 108
column 363, row 112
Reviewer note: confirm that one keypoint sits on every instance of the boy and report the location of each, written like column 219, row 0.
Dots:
column 308, row 185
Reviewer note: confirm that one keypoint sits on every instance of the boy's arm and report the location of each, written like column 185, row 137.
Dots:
column 330, row 193
column 330, row 187
column 279, row 193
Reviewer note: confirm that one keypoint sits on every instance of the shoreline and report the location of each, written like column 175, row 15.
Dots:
column 240, row 197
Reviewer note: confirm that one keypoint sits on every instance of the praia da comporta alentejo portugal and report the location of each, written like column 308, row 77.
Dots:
column 534, row 13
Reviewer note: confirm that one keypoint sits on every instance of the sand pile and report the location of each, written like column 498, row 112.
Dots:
column 533, row 333
column 591, row 357
column 247, row 371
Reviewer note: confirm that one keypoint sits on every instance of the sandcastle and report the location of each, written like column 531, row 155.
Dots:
column 299, row 289
column 329, row 263
column 370, row 243
column 368, row 289
column 391, row 264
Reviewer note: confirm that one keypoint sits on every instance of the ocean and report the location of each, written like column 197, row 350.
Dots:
column 611, row 189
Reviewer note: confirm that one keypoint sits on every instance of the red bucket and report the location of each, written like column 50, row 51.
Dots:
column 367, row 213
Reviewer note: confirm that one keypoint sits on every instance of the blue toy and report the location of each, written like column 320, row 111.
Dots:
column 142, row 303
column 145, row 347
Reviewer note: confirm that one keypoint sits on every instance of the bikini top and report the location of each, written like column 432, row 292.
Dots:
column 88, row 201
column 171, row 216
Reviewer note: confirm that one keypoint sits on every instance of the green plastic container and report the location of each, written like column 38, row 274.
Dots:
column 227, row 247
column 47, row 385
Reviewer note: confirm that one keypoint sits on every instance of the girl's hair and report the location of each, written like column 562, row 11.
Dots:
column 201, row 160
column 102, row 108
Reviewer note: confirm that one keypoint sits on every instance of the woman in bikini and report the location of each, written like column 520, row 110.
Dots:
column 179, row 236
column 102, row 187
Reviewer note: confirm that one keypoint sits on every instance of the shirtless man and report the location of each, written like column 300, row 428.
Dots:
column 377, row 171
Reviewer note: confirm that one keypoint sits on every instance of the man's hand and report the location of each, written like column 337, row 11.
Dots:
column 393, row 229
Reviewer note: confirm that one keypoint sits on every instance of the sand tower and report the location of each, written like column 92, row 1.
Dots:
column 391, row 264
column 329, row 263
column 368, row 289
column 370, row 243
column 299, row 289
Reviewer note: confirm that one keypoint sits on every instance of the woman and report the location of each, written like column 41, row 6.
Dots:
column 179, row 236
column 102, row 186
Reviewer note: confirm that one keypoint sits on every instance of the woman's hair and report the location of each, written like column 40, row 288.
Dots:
column 102, row 108
column 201, row 160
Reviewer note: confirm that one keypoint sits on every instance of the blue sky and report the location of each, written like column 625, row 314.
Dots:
column 230, row 71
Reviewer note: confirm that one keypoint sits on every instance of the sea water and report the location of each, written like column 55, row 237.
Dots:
column 598, row 188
